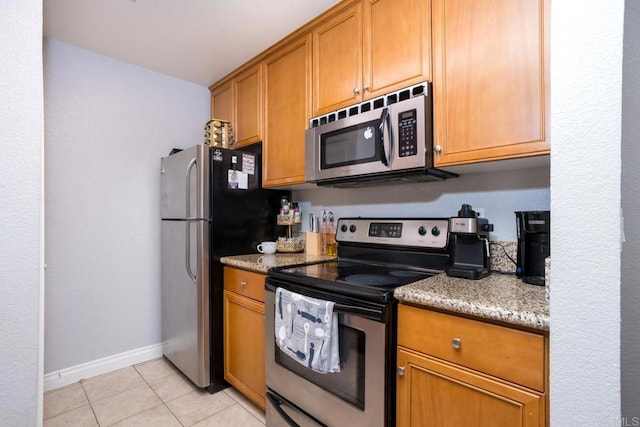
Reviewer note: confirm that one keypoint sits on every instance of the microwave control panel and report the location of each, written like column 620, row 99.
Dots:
column 407, row 131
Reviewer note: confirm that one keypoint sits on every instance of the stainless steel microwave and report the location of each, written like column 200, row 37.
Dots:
column 386, row 139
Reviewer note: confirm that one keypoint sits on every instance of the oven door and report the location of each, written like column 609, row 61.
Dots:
column 355, row 395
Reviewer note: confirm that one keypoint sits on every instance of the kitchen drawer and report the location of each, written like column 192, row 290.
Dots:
column 246, row 283
column 506, row 353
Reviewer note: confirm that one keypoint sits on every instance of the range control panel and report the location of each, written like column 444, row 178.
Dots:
column 423, row 233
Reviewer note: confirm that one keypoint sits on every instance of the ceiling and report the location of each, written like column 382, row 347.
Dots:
column 195, row 40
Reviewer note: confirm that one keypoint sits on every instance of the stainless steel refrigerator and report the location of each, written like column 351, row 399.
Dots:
column 210, row 207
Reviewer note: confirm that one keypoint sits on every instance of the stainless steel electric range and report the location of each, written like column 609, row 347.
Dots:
column 375, row 255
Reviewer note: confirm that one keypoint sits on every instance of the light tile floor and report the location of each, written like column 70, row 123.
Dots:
column 153, row 393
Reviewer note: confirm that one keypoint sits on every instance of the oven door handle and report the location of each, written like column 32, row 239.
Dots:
column 360, row 311
column 376, row 312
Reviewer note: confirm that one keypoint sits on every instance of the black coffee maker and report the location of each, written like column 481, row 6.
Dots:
column 469, row 243
column 533, row 229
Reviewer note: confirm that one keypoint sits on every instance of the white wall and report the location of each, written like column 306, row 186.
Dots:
column 630, row 294
column 586, row 77
column 21, row 213
column 107, row 123
column 500, row 194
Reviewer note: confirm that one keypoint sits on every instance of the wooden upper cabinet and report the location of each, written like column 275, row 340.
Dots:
column 397, row 45
column 247, row 123
column 490, row 79
column 238, row 99
column 368, row 49
column 337, row 61
column 287, row 101
column 222, row 101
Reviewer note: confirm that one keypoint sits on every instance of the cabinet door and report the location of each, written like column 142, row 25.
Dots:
column 222, row 101
column 247, row 89
column 431, row 393
column 337, row 61
column 287, row 74
column 244, row 346
column 489, row 79
column 397, row 44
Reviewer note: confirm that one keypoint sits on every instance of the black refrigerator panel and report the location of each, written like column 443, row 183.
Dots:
column 243, row 213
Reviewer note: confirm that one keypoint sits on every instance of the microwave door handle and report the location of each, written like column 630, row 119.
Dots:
column 384, row 119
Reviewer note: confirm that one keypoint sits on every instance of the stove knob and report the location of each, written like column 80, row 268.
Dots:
column 435, row 231
column 422, row 231
column 343, row 228
column 352, row 228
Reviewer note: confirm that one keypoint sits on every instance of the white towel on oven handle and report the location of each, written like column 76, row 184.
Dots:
column 306, row 329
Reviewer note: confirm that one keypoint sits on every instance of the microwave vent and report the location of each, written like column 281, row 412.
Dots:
column 420, row 89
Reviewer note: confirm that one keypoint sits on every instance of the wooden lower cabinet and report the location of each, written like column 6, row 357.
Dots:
column 438, row 394
column 243, row 301
column 455, row 371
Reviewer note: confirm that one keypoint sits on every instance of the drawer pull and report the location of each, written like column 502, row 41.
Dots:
column 243, row 283
column 456, row 343
column 401, row 371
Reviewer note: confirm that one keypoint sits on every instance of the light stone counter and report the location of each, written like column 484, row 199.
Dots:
column 499, row 297
column 262, row 263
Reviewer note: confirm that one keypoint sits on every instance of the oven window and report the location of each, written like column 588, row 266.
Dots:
column 350, row 146
column 349, row 383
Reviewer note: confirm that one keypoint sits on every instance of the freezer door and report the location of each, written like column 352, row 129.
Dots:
column 185, row 298
column 185, row 184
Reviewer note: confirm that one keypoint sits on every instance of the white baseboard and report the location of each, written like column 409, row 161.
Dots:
column 67, row 376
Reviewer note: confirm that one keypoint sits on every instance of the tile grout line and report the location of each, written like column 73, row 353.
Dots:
column 145, row 381
column 89, row 400
column 61, row 390
column 253, row 415
column 158, row 396
column 247, row 400
column 235, row 402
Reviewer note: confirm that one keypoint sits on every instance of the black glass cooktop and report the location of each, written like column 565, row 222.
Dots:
column 349, row 277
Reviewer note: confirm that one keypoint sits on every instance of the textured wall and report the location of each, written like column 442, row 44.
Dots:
column 630, row 345
column 499, row 193
column 586, row 67
column 107, row 123
column 20, row 212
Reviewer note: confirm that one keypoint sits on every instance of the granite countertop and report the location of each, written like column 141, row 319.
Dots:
column 261, row 263
column 500, row 297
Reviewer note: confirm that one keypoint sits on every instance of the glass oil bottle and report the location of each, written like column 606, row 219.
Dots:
column 328, row 230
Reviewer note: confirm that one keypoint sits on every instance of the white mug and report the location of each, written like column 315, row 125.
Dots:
column 267, row 248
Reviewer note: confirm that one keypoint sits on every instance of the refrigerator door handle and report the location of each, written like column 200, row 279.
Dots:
column 187, row 253
column 187, row 195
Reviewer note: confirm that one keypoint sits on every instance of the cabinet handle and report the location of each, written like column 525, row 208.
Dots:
column 356, row 91
column 366, row 88
column 401, row 371
column 456, row 343
column 437, row 148
column 243, row 283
